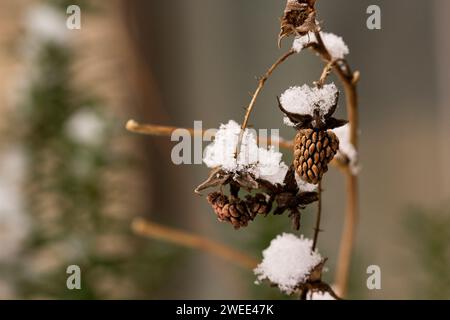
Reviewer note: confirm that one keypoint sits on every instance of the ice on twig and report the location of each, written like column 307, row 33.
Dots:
column 305, row 99
column 334, row 44
column 288, row 262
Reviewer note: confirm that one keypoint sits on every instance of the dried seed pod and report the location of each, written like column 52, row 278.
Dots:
column 315, row 143
column 314, row 162
column 233, row 211
column 299, row 18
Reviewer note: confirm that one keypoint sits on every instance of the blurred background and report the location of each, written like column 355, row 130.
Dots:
column 72, row 178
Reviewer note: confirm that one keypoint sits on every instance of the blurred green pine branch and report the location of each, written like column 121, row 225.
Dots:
column 429, row 231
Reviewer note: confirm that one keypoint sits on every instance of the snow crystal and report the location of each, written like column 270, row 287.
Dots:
column 287, row 262
column 319, row 295
column 346, row 148
column 334, row 44
column 288, row 122
column 264, row 163
column 221, row 152
column 305, row 186
column 270, row 167
column 302, row 41
column 305, row 99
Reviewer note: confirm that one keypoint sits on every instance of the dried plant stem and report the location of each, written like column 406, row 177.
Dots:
column 325, row 73
column 349, row 81
column 185, row 239
column 262, row 81
column 319, row 216
column 157, row 130
column 261, row 84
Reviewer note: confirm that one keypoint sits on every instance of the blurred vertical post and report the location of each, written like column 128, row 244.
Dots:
column 442, row 41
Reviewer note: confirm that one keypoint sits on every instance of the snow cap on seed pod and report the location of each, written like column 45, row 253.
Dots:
column 334, row 44
column 260, row 162
column 347, row 151
column 307, row 101
column 289, row 263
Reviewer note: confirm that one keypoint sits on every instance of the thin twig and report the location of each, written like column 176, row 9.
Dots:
column 261, row 83
column 349, row 81
column 185, row 239
column 319, row 216
column 157, row 130
column 325, row 73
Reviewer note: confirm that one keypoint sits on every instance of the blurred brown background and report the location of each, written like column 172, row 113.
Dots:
column 173, row 62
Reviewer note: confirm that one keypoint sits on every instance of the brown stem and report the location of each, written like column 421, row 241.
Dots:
column 157, row 130
column 319, row 216
column 261, row 83
column 349, row 81
column 185, row 239
column 325, row 73
column 317, row 286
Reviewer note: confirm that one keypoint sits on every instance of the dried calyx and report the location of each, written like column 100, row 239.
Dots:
column 298, row 19
column 288, row 197
column 239, row 212
column 315, row 143
column 314, row 283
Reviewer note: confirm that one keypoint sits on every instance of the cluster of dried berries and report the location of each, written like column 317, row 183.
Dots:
column 299, row 18
column 239, row 212
column 236, row 211
column 315, row 143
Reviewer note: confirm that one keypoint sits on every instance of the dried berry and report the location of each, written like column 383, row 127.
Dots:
column 313, row 150
column 233, row 211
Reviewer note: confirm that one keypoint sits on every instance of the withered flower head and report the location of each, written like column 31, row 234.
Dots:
column 314, row 283
column 288, row 197
column 232, row 209
column 220, row 177
column 298, row 19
